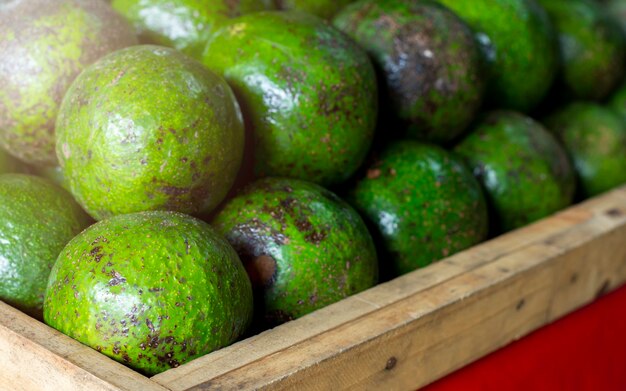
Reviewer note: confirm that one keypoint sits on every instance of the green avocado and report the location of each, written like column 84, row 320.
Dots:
column 591, row 46
column 148, row 128
column 151, row 290
column 8, row 163
column 525, row 172
column 323, row 8
column 519, row 48
column 37, row 219
column 618, row 102
column 44, row 45
column 429, row 59
column 595, row 138
column 308, row 93
column 423, row 204
column 183, row 24
column 303, row 247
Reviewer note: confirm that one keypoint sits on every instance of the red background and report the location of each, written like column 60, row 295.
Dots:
column 585, row 350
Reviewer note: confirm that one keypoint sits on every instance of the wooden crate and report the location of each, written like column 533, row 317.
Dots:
column 399, row 335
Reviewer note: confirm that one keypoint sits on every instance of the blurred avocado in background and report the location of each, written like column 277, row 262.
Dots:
column 185, row 25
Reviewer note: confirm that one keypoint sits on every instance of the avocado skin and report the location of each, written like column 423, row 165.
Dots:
column 185, row 25
column 151, row 290
column 37, row 219
column 524, row 171
column 422, row 203
column 148, row 128
column 323, row 8
column 617, row 102
column 44, row 45
column 303, row 247
column 519, row 48
column 308, row 93
column 595, row 138
column 428, row 58
column 591, row 48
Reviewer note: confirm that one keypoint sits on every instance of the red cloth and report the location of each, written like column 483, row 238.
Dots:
column 584, row 351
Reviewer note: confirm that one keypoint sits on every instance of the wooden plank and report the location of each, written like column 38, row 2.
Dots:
column 34, row 356
column 425, row 324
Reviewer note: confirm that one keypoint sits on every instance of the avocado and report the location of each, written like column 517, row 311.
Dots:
column 148, row 128
column 422, row 203
column 44, row 45
column 591, row 48
column 519, row 49
column 151, row 290
column 183, row 24
column 308, row 93
column 37, row 219
column 618, row 102
column 302, row 246
column 595, row 138
column 429, row 61
column 323, row 8
column 525, row 172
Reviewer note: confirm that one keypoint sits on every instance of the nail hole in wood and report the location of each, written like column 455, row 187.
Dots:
column 615, row 212
column 573, row 278
column 604, row 288
column 521, row 304
column 391, row 363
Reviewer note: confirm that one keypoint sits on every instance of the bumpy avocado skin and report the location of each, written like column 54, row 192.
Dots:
column 308, row 93
column 429, row 60
column 37, row 219
column 591, row 46
column 618, row 102
column 44, row 45
column 518, row 45
column 151, row 290
column 303, row 247
column 323, row 8
column 525, row 172
column 183, row 24
column 595, row 138
column 424, row 204
column 148, row 128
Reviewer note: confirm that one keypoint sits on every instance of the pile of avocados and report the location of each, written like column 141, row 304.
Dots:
column 178, row 174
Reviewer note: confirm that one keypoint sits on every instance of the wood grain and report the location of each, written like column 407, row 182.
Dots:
column 417, row 328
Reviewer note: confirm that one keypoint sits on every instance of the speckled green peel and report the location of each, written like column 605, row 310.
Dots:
column 424, row 204
column 595, row 138
column 148, row 128
column 183, row 24
column 429, row 59
column 37, row 219
column 302, row 246
column 323, row 8
column 618, row 102
column 152, row 290
column 591, row 45
column 308, row 93
column 526, row 174
column 43, row 46
column 518, row 45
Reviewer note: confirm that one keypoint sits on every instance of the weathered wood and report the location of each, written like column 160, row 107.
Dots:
column 417, row 328
column 34, row 356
